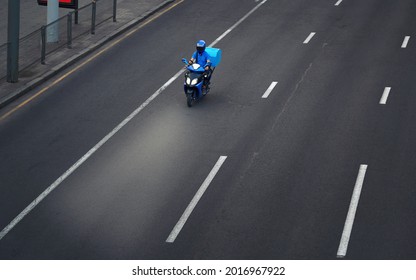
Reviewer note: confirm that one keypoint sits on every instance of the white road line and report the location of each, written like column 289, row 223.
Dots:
column 405, row 42
column 179, row 225
column 74, row 167
column 346, row 233
column 386, row 92
column 339, row 2
column 269, row 90
column 309, row 37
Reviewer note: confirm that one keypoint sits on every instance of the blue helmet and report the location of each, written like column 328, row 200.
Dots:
column 200, row 46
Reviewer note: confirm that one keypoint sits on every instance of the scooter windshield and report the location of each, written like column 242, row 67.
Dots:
column 196, row 68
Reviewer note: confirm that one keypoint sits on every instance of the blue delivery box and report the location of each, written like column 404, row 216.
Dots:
column 215, row 56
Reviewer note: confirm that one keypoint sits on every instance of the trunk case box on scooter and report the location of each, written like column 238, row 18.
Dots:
column 215, row 55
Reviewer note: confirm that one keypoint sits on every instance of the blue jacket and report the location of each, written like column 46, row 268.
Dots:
column 201, row 59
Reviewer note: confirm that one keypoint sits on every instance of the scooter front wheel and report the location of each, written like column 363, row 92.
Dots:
column 189, row 100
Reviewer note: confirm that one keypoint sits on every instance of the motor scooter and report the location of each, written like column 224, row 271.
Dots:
column 197, row 82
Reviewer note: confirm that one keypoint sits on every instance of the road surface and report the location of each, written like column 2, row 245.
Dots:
column 271, row 173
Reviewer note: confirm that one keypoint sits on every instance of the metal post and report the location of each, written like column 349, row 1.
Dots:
column 69, row 31
column 76, row 12
column 43, row 49
column 13, row 29
column 52, row 17
column 94, row 10
column 115, row 11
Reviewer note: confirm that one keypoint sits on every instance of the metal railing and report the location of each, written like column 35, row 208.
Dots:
column 35, row 47
column 28, row 46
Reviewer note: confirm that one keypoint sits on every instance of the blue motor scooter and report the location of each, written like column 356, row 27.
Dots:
column 196, row 79
column 194, row 86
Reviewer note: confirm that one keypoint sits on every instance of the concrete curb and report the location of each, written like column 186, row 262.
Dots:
column 74, row 59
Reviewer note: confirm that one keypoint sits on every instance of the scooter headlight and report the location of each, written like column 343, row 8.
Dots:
column 188, row 80
column 194, row 81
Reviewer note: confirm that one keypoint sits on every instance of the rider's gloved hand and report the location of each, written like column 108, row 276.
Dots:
column 207, row 66
column 190, row 62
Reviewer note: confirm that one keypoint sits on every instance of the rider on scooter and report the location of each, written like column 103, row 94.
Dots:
column 202, row 58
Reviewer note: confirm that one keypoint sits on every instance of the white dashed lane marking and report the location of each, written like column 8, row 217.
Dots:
column 269, row 90
column 385, row 95
column 346, row 233
column 405, row 42
column 179, row 225
column 309, row 37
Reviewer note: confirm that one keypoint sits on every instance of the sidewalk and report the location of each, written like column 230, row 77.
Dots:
column 32, row 17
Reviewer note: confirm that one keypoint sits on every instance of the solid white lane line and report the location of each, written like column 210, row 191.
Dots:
column 74, row 167
column 339, row 2
column 269, row 90
column 309, row 37
column 405, row 42
column 386, row 92
column 346, row 233
column 179, row 225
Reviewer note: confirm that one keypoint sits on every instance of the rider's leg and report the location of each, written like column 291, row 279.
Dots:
column 207, row 78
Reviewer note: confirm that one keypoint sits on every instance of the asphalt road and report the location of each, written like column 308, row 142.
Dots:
column 293, row 159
